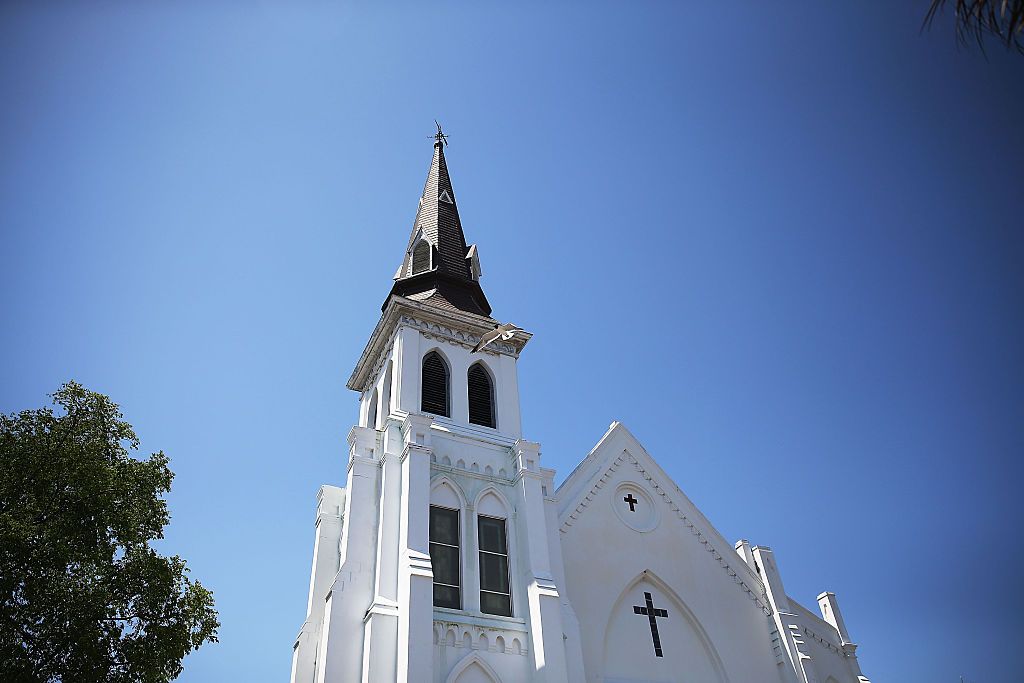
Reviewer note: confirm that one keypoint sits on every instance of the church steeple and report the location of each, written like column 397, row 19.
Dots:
column 438, row 268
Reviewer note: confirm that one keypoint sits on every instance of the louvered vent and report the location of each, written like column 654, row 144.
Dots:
column 435, row 385
column 481, row 397
column 421, row 257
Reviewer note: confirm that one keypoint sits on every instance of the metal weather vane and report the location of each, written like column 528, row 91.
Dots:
column 439, row 136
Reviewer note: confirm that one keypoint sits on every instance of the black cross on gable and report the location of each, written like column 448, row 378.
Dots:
column 632, row 502
column 650, row 611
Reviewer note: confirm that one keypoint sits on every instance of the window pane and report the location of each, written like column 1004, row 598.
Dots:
column 493, row 603
column 492, row 535
column 445, row 560
column 444, row 525
column 446, row 596
column 494, row 573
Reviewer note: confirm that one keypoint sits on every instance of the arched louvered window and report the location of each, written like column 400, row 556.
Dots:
column 371, row 411
column 481, row 396
column 385, row 397
column 421, row 257
column 434, row 385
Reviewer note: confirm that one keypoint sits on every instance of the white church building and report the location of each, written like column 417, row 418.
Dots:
column 450, row 556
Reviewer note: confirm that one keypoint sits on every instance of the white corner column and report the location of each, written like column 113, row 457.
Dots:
column 341, row 641
column 829, row 606
column 380, row 625
column 545, row 617
column 326, row 557
column 408, row 365
column 415, row 573
column 801, row 666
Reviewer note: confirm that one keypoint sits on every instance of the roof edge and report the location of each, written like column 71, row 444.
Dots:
column 578, row 484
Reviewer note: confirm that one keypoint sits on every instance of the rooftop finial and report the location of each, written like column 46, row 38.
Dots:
column 439, row 137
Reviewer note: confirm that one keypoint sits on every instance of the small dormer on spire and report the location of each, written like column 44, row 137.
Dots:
column 438, row 268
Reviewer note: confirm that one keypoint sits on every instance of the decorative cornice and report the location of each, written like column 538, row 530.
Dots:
column 457, row 337
column 473, row 626
column 417, row 563
column 452, row 469
column 382, row 606
column 527, row 474
column 459, row 619
column 451, row 326
column 411, row 448
column 824, row 641
column 760, row 598
column 354, row 460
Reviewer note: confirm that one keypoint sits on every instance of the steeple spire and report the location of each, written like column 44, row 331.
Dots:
column 438, row 268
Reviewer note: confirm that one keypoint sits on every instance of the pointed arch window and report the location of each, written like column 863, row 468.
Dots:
column 445, row 557
column 371, row 411
column 421, row 257
column 434, row 385
column 481, row 396
column 385, row 398
column 495, row 588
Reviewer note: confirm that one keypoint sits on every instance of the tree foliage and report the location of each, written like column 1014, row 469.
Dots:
column 83, row 595
column 979, row 19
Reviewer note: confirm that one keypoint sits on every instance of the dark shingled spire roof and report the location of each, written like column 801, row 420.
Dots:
column 452, row 280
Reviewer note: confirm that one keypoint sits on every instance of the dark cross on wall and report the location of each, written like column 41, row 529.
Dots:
column 632, row 502
column 650, row 611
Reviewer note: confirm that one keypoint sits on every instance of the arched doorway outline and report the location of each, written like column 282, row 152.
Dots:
column 468, row 661
column 652, row 578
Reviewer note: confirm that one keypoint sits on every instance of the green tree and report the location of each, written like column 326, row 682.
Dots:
column 978, row 19
column 83, row 595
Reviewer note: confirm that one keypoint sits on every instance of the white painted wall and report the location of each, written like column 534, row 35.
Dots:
column 579, row 559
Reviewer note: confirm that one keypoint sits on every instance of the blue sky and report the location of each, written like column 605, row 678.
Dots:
column 782, row 244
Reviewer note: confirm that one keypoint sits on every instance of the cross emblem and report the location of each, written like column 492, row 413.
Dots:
column 650, row 611
column 632, row 502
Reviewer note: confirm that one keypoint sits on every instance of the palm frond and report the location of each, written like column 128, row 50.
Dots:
column 978, row 20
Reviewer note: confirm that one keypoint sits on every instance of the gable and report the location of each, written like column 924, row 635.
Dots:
column 620, row 462
column 627, row 531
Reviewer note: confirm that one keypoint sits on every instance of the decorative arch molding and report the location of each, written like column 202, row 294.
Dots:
column 385, row 397
column 492, row 490
column 443, row 482
column 371, row 410
column 468, row 662
column 439, row 351
column 486, row 363
column 705, row 641
column 422, row 257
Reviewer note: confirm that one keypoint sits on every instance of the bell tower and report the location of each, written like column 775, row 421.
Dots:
column 438, row 555
column 437, row 304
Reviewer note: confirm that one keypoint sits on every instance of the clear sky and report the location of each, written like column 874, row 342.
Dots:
column 782, row 242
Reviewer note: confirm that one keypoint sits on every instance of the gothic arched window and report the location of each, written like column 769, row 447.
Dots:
column 495, row 589
column 481, row 396
column 371, row 411
column 385, row 398
column 434, row 385
column 445, row 557
column 421, row 257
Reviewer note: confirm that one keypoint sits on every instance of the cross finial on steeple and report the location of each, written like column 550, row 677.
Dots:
column 439, row 137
